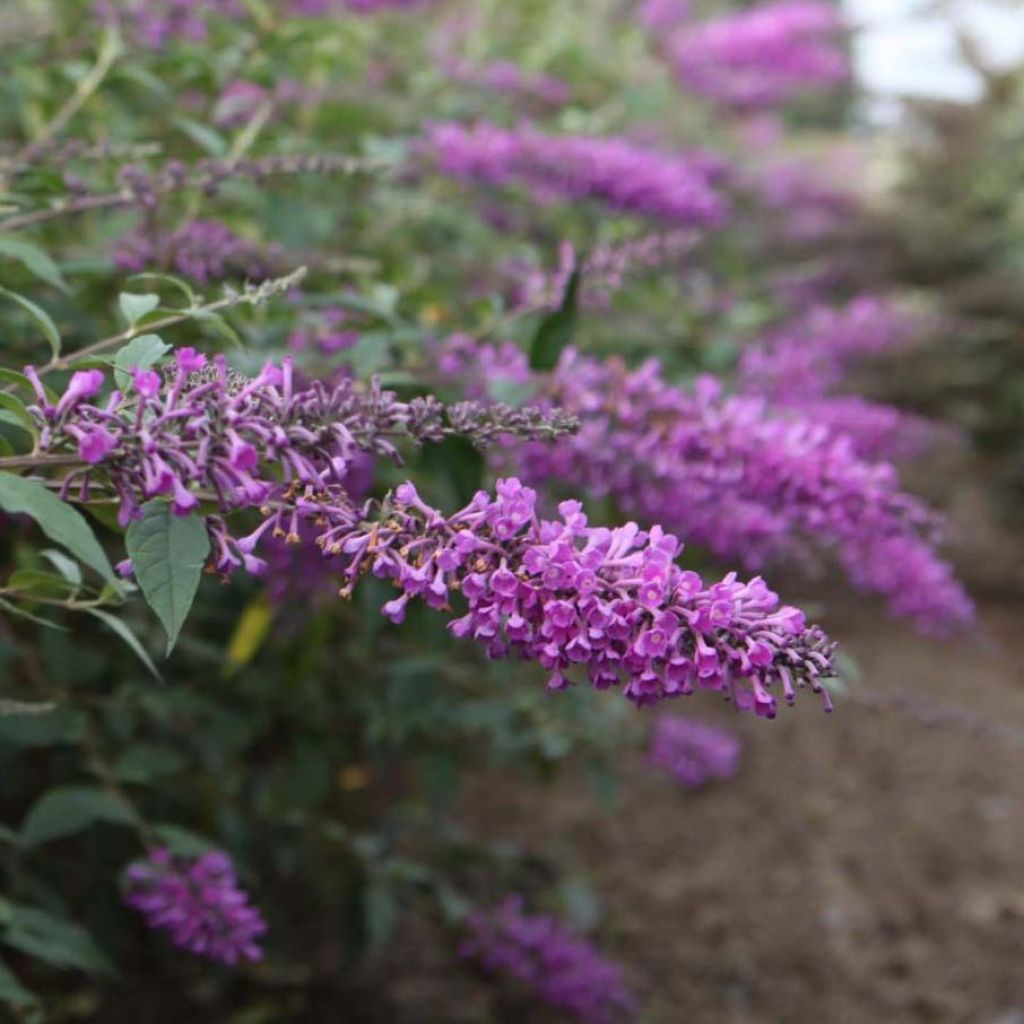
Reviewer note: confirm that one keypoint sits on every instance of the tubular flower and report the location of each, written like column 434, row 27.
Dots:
column 541, row 954
column 610, row 604
column 198, row 903
column 694, row 753
column 748, row 481
column 201, row 431
column 762, row 57
column 677, row 189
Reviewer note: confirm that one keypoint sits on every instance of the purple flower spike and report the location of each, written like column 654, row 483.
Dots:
column 675, row 188
column 198, row 903
column 559, row 968
column 610, row 605
column 763, row 57
column 694, row 753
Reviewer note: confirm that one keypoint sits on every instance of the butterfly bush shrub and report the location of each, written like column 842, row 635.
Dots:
column 352, row 442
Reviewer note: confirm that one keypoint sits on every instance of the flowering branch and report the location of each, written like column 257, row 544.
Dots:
column 143, row 188
column 252, row 295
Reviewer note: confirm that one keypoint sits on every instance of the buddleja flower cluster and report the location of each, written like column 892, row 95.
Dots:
column 676, row 189
column 609, row 604
column 762, row 57
column 799, row 364
column 557, row 967
column 203, row 433
column 198, row 903
column 729, row 473
column 201, row 250
column 694, row 753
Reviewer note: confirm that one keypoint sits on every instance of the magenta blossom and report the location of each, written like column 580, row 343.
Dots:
column 694, row 753
column 198, row 903
column 557, row 967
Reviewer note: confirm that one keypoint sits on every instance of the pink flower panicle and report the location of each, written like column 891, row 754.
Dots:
column 201, row 250
column 810, row 355
column 559, row 968
column 762, row 57
column 677, row 189
column 602, row 273
column 248, row 442
column 694, row 753
column 748, row 481
column 612, row 605
column 609, row 604
column 155, row 23
column 198, row 903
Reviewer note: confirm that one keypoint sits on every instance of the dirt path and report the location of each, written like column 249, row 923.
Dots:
column 863, row 868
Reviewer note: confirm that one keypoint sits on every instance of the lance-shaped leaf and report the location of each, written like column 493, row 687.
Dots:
column 168, row 553
column 58, row 520
column 556, row 329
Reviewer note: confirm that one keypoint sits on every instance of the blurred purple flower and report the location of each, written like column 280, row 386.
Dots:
column 694, row 753
column 675, row 188
column 762, row 57
column 198, row 903
column 559, row 968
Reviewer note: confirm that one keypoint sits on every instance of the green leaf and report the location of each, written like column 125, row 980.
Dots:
column 556, row 329
column 144, row 762
column 139, row 354
column 121, row 629
column 54, row 940
column 12, row 992
column 67, row 567
column 134, row 307
column 60, row 726
column 67, row 810
column 183, row 842
column 203, row 136
column 34, row 260
column 36, row 583
column 250, row 632
column 16, row 408
column 175, row 282
column 41, row 317
column 218, row 324
column 13, row 609
column 59, row 521
column 457, row 462
column 168, row 553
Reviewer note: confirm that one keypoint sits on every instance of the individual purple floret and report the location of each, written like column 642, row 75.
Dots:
column 556, row 966
column 762, row 57
column 198, row 903
column 674, row 188
column 694, row 753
